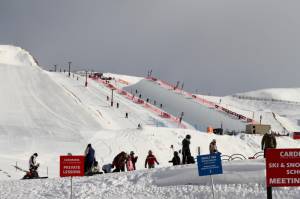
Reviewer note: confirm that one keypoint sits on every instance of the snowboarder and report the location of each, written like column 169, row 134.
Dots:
column 176, row 159
column 89, row 154
column 133, row 159
column 117, row 104
column 126, row 115
column 186, row 153
column 213, row 147
column 119, row 162
column 139, row 126
column 268, row 142
column 151, row 160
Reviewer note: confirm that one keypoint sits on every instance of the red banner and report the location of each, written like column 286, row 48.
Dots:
column 283, row 167
column 71, row 166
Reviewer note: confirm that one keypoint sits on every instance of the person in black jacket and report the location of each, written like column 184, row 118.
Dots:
column 186, row 153
column 176, row 159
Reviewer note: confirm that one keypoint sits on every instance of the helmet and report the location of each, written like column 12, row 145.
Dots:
column 149, row 152
column 131, row 152
column 188, row 136
column 35, row 154
column 214, row 140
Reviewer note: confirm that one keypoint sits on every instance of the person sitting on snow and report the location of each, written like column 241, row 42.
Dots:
column 119, row 162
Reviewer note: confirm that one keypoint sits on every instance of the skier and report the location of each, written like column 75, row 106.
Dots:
column 186, row 153
column 268, row 142
column 151, row 160
column 89, row 154
column 119, row 162
column 213, row 147
column 176, row 159
column 126, row 115
column 33, row 166
column 133, row 159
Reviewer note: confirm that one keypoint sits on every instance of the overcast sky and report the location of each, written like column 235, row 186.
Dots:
column 217, row 47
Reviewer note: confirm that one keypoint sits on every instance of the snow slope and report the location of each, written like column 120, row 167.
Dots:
column 53, row 114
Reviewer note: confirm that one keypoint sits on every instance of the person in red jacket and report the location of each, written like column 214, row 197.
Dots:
column 151, row 160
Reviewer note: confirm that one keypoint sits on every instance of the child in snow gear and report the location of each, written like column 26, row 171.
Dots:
column 176, row 159
column 133, row 159
column 268, row 142
column 89, row 154
column 129, row 164
column 213, row 147
column 186, row 153
column 119, row 162
column 151, row 160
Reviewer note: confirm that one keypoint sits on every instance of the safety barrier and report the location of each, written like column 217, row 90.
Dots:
column 238, row 156
column 139, row 101
column 201, row 100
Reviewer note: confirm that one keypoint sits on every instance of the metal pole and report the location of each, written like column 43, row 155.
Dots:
column 86, row 83
column 112, row 97
column 212, row 186
column 69, row 68
column 71, row 188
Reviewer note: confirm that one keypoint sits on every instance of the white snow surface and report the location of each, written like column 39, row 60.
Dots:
column 13, row 55
column 53, row 114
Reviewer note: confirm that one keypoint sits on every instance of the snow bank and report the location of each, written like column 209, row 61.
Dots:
column 241, row 179
column 12, row 55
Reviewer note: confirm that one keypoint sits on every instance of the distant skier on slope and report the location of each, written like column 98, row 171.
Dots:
column 151, row 160
column 268, row 142
column 176, row 159
column 89, row 154
column 186, row 153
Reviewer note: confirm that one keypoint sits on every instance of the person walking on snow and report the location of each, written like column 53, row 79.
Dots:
column 176, row 159
column 213, row 147
column 151, row 160
column 268, row 142
column 89, row 154
column 186, row 153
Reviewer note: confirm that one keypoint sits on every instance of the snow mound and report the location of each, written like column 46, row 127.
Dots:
column 12, row 55
column 284, row 94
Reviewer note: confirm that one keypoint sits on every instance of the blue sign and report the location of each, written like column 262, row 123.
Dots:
column 209, row 164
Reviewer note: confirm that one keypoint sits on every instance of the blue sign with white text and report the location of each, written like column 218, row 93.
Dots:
column 209, row 164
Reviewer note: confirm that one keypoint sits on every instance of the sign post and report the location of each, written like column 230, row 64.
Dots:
column 71, row 166
column 282, row 168
column 210, row 165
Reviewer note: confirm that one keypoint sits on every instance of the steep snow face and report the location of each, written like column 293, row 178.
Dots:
column 196, row 114
column 12, row 55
